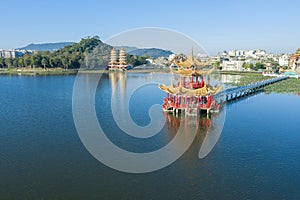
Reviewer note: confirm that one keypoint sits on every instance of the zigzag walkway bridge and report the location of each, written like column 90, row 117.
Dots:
column 241, row 91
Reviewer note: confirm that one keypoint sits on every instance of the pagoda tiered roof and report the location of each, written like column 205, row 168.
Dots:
column 191, row 93
column 188, row 68
column 297, row 54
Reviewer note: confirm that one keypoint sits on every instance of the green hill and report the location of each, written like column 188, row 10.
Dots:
column 90, row 53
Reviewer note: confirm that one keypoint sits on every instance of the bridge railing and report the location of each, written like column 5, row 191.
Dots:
column 248, row 88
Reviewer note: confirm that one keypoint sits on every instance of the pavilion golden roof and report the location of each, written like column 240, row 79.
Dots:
column 191, row 72
column 180, row 90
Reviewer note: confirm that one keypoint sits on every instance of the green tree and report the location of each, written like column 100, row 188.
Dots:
column 55, row 62
column 8, row 62
column 251, row 66
column 75, row 61
column 2, row 63
column 246, row 65
column 37, row 60
column 65, row 62
column 45, row 62
column 217, row 65
column 259, row 65
column 21, row 62
column 27, row 61
column 15, row 62
column 275, row 64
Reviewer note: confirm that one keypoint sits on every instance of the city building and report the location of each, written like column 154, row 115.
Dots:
column 253, row 57
column 283, row 60
column 250, row 53
column 13, row 53
column 251, row 61
column 260, row 52
column 231, row 53
column 239, row 53
column 232, row 65
column 171, row 57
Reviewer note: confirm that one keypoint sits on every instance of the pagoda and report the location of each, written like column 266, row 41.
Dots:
column 191, row 94
column 295, row 60
column 118, row 63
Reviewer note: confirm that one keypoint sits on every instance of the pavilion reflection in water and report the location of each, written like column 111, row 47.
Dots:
column 208, row 129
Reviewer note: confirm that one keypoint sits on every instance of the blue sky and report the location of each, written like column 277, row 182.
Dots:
column 216, row 25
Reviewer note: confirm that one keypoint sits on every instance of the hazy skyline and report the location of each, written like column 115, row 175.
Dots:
column 216, row 25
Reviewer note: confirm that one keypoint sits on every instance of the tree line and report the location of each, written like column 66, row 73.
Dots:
column 90, row 52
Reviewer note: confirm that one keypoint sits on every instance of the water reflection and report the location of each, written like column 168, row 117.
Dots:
column 43, row 158
column 116, row 77
column 208, row 129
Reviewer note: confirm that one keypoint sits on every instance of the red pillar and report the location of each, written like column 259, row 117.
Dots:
column 209, row 99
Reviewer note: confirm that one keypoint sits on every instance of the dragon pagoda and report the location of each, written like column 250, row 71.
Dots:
column 192, row 94
column 118, row 62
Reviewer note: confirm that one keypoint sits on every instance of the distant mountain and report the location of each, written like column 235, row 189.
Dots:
column 152, row 52
column 46, row 46
column 128, row 49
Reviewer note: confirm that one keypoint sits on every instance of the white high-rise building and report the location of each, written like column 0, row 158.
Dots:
column 284, row 60
column 260, row 52
column 239, row 53
column 232, row 65
column 231, row 53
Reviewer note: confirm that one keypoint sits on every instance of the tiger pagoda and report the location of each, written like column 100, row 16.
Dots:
column 118, row 62
column 191, row 94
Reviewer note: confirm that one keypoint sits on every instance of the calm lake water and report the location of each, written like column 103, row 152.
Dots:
column 257, row 155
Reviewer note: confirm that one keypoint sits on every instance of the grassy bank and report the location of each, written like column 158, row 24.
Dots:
column 237, row 72
column 38, row 72
column 291, row 85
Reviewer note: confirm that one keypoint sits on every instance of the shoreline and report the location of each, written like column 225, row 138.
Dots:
column 288, row 86
column 60, row 71
column 37, row 72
